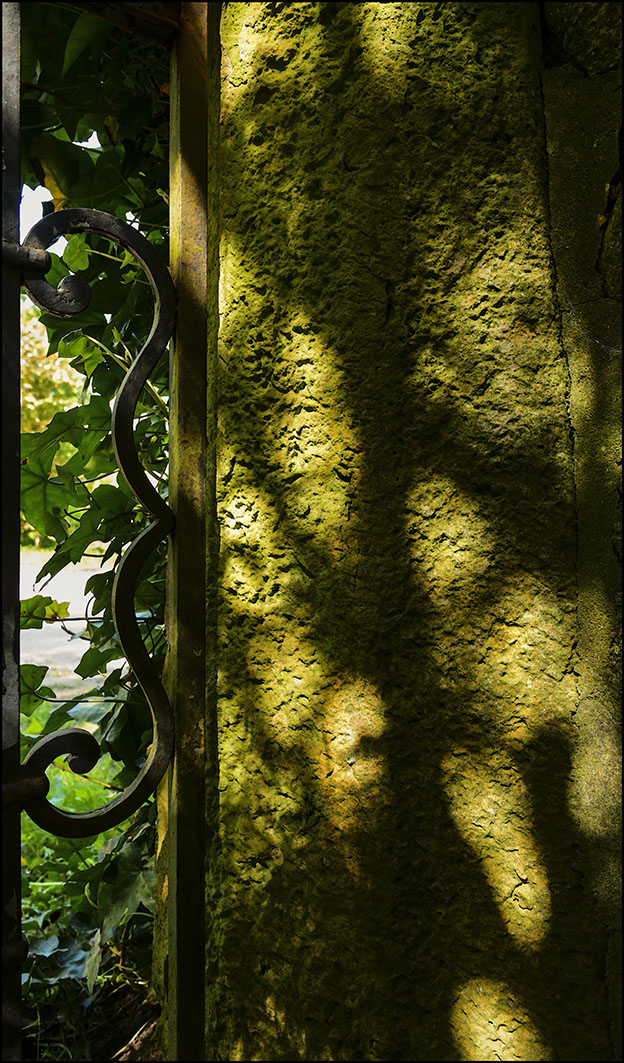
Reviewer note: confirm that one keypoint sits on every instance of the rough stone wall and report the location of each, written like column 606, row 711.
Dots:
column 397, row 869
column 582, row 95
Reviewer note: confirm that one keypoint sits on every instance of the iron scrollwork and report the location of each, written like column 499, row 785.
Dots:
column 67, row 300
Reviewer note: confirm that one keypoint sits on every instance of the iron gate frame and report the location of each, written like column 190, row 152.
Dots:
column 191, row 31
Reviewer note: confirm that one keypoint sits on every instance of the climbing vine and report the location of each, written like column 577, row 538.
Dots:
column 95, row 134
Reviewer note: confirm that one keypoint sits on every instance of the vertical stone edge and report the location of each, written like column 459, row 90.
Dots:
column 581, row 94
column 179, row 945
column 212, row 835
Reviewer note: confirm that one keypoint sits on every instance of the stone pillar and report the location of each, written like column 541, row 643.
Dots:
column 582, row 95
column 396, row 868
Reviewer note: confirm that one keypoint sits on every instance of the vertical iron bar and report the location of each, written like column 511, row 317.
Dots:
column 12, row 950
column 191, row 491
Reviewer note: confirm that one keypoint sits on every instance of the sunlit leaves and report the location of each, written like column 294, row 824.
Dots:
column 76, row 254
column 32, row 690
column 80, row 78
column 45, row 500
column 46, row 383
column 58, row 165
column 40, row 609
column 83, row 426
column 86, row 356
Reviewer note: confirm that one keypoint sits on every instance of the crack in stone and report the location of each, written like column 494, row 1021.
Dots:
column 614, row 190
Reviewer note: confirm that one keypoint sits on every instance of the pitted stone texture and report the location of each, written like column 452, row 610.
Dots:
column 587, row 35
column 397, row 625
column 583, row 118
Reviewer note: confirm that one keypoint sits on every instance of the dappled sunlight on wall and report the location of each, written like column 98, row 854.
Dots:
column 596, row 807
column 491, row 1022
column 491, row 808
column 595, row 799
column 386, row 34
column 438, row 511
column 309, row 444
column 351, row 768
column 397, row 593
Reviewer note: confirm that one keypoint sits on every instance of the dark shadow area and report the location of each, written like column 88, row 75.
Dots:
column 398, row 238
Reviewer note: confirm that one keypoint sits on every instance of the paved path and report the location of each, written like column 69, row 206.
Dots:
column 51, row 645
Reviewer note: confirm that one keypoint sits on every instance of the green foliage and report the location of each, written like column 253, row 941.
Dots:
column 80, row 78
column 47, row 384
column 87, row 905
column 32, row 691
column 34, row 612
column 86, row 910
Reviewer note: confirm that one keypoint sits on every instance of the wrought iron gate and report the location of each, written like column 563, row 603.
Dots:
column 185, row 28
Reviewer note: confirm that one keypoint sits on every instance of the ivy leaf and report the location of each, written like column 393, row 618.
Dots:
column 57, row 611
column 71, row 961
column 83, row 426
column 74, row 545
column 86, row 355
column 45, row 946
column 67, row 477
column 128, row 735
column 33, row 610
column 58, row 718
column 145, row 888
column 57, row 271
column 44, row 501
column 68, row 426
column 76, row 254
column 94, row 661
column 119, row 898
column 88, row 30
column 90, row 712
column 111, row 499
column 40, row 609
column 82, row 536
column 32, row 693
column 93, row 960
column 100, row 586
column 73, row 345
column 58, row 164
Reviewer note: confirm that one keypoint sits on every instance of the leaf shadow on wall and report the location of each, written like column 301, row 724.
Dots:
column 376, row 242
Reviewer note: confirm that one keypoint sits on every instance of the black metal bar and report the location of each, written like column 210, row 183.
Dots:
column 25, row 257
column 26, row 786
column 24, row 789
column 12, row 946
column 72, row 296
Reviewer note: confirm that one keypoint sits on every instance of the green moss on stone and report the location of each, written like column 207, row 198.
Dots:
column 397, row 589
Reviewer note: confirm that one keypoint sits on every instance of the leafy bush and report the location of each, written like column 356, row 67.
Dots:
column 87, row 906
column 47, row 385
column 86, row 910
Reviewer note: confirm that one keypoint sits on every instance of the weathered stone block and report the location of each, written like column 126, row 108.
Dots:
column 396, row 872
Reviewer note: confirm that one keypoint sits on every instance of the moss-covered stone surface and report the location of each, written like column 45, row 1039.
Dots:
column 582, row 93
column 398, row 869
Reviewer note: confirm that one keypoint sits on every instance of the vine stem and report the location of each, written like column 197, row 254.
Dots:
column 91, row 778
column 151, row 390
column 71, row 297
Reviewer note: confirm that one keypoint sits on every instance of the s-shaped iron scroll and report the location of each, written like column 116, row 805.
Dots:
column 70, row 298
